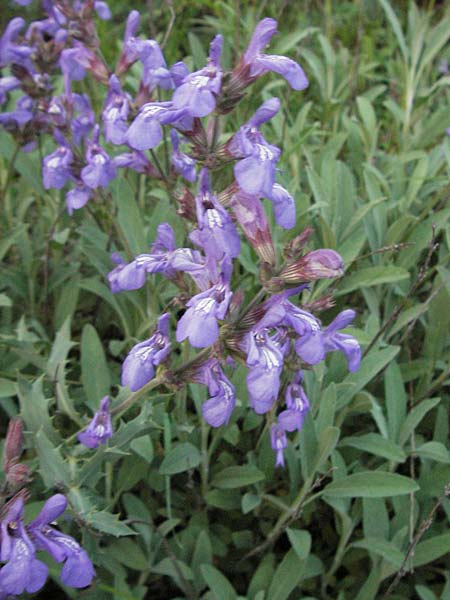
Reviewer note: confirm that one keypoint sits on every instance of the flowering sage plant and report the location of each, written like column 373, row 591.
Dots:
column 173, row 129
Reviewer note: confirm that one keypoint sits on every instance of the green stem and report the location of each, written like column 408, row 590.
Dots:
column 135, row 396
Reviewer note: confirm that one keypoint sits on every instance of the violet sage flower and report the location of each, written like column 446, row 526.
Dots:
column 265, row 361
column 22, row 571
column 181, row 162
column 312, row 349
column 139, row 366
column 115, row 112
column 77, row 570
column 198, row 91
column 318, row 264
column 218, row 408
column 255, row 172
column 254, row 63
column 57, row 168
column 99, row 170
column 199, row 322
column 99, row 429
column 297, row 406
column 145, row 132
column 216, row 233
column 278, row 441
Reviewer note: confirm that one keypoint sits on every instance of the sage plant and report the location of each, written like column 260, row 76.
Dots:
column 274, row 335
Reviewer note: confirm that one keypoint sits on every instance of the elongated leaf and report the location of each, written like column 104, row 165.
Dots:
column 372, row 276
column 383, row 548
column 54, row 470
column 415, row 417
column 235, row 477
column 372, row 364
column 180, row 458
column 219, row 585
column 300, row 542
column 288, row 574
column 94, row 369
column 431, row 549
column 395, row 24
column 376, row 444
column 371, row 484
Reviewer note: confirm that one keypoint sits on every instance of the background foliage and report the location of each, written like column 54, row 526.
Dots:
column 171, row 508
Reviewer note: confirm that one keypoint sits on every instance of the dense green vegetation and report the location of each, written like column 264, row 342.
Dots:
column 172, row 508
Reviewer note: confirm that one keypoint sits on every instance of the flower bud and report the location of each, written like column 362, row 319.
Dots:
column 13, row 443
column 319, row 264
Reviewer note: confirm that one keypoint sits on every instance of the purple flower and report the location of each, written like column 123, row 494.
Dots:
column 182, row 163
column 199, row 322
column 278, row 441
column 137, row 161
column 126, row 277
column 145, row 132
column 297, row 406
column 216, row 233
column 115, row 113
column 283, row 206
column 198, row 91
column 258, row 63
column 130, row 53
column 218, row 408
column 250, row 215
column 139, row 366
column 154, row 72
column 319, row 264
column 78, row 570
column 57, row 168
column 23, row 572
column 255, row 173
column 179, row 71
column 7, row 84
column 83, row 119
column 99, row 170
column 164, row 258
column 102, row 9
column 99, row 429
column 312, row 349
column 10, row 52
column 265, row 359
column 77, row 197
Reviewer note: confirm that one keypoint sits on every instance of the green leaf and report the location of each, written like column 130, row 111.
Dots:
column 143, row 446
column 34, row 409
column 396, row 400
column 395, row 24
column 300, row 542
column 129, row 217
column 249, row 502
column 219, row 585
column 288, row 574
column 375, row 444
column 370, row 484
column 108, row 523
column 182, row 457
column 235, row 477
column 415, row 417
column 383, row 548
column 431, row 549
column 327, row 441
column 372, row 276
column 434, row 451
column 372, row 364
column 54, row 470
column 94, row 369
